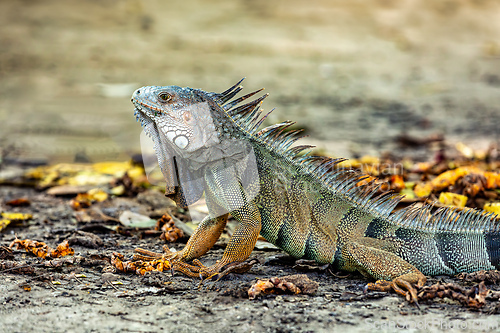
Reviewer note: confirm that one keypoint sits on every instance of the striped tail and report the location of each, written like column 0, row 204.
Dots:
column 448, row 241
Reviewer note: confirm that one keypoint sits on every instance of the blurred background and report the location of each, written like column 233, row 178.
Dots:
column 355, row 74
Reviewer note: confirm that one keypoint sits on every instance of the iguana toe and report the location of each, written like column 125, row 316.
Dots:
column 398, row 285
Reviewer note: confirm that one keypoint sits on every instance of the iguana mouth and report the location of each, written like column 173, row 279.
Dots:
column 142, row 116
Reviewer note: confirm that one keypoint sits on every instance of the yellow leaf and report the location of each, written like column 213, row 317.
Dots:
column 97, row 194
column 408, row 193
column 450, row 177
column 493, row 207
column 16, row 216
column 136, row 172
column 452, row 199
column 372, row 160
column 464, row 150
column 4, row 224
column 116, row 169
column 118, row 190
column 423, row 189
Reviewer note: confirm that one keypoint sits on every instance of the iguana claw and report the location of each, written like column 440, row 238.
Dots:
column 196, row 269
column 146, row 255
column 397, row 284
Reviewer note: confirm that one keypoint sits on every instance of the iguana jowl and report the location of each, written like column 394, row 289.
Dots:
column 208, row 142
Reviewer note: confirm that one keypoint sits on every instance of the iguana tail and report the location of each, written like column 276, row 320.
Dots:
column 448, row 241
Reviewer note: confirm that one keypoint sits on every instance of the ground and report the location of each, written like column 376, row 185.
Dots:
column 82, row 295
column 354, row 74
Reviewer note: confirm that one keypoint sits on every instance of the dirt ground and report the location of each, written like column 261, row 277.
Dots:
column 354, row 74
column 79, row 293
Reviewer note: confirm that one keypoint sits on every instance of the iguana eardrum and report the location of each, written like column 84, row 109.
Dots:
column 205, row 142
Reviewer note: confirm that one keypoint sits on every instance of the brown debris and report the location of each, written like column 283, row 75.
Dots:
column 16, row 267
column 81, row 202
column 59, row 262
column 310, row 266
column 42, row 250
column 86, row 239
column 290, row 284
column 25, row 286
column 170, row 232
column 6, row 253
column 488, row 277
column 139, row 267
column 471, row 185
column 21, row 202
column 95, row 260
column 127, row 186
column 474, row 297
column 93, row 214
column 406, row 140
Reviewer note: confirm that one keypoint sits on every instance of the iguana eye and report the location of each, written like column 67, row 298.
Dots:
column 164, row 97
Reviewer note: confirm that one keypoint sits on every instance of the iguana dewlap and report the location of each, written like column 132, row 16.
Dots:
column 209, row 143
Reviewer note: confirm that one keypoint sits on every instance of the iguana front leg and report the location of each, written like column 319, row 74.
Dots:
column 240, row 246
column 202, row 240
column 391, row 271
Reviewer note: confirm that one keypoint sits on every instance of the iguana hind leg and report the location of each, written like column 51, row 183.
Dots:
column 391, row 271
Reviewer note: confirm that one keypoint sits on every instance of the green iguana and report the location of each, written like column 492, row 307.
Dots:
column 210, row 143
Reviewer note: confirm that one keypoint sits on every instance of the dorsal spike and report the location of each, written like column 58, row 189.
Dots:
column 241, row 99
column 277, row 136
column 228, row 96
column 224, row 93
column 298, row 149
column 269, row 130
column 246, row 107
column 259, row 123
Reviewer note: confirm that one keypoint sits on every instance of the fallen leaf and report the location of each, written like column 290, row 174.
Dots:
column 290, row 284
column 170, row 232
column 21, row 202
column 493, row 207
column 4, row 224
column 8, row 218
column 63, row 190
column 42, row 250
column 474, row 297
column 86, row 239
column 16, row 216
column 452, row 199
column 135, row 220
column 422, row 190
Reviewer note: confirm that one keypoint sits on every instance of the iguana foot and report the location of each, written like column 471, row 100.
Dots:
column 146, row 255
column 172, row 259
column 169, row 258
column 234, row 267
column 196, row 269
column 398, row 285
column 214, row 272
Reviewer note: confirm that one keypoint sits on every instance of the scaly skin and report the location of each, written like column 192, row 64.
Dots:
column 298, row 202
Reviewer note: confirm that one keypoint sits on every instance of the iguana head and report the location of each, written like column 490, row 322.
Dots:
column 179, row 114
column 191, row 128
